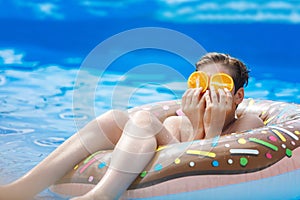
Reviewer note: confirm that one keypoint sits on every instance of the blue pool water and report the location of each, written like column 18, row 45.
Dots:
column 43, row 45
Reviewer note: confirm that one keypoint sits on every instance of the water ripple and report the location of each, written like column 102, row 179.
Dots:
column 7, row 108
column 72, row 116
column 49, row 142
column 12, row 131
column 2, row 80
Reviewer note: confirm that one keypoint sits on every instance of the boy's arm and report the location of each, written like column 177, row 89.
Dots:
column 247, row 122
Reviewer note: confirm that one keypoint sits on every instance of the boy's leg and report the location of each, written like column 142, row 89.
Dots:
column 182, row 129
column 172, row 125
column 132, row 153
column 101, row 133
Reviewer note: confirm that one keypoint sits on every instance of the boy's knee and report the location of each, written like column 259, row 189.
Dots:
column 172, row 121
column 144, row 122
column 142, row 118
column 172, row 124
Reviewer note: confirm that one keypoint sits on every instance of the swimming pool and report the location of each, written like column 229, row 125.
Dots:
column 40, row 61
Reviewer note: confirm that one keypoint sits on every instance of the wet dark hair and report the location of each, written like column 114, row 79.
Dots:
column 240, row 73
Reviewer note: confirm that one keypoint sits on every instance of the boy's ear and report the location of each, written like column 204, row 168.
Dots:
column 239, row 96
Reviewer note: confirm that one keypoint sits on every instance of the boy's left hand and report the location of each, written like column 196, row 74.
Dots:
column 193, row 106
column 217, row 105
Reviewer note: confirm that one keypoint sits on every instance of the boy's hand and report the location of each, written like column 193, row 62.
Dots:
column 193, row 106
column 217, row 104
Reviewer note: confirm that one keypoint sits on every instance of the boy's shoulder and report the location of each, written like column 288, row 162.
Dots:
column 247, row 122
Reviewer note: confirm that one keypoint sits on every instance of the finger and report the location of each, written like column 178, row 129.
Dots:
column 201, row 92
column 190, row 96
column 185, row 96
column 200, row 89
column 228, row 95
column 228, row 92
column 222, row 97
column 196, row 96
column 202, row 99
column 207, row 98
column 228, row 98
column 213, row 94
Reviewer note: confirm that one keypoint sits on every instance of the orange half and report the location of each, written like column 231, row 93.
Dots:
column 198, row 79
column 221, row 81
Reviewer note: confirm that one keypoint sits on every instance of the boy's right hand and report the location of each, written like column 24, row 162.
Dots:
column 193, row 106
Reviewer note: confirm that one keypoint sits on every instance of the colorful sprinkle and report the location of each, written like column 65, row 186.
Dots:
column 177, row 161
column 87, row 165
column 147, row 108
column 180, row 113
column 101, row 165
column 288, row 153
column 243, row 161
column 90, row 157
column 159, row 148
column 166, row 107
column 242, row 141
column 192, row 164
column 290, row 126
column 281, row 137
column 289, row 133
column 178, row 102
column 76, row 167
column 267, row 144
column 283, row 146
column 244, row 151
column 230, row 161
column 201, row 153
column 269, row 155
column 293, row 143
column 268, row 120
column 215, row 163
column 297, row 132
column 272, row 138
column 91, row 178
column 227, row 145
column 143, row 174
column 158, row 167
column 215, row 141
column 264, row 132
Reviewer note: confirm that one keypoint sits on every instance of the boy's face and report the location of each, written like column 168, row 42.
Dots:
column 212, row 69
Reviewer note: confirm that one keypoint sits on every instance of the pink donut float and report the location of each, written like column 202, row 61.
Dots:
column 254, row 164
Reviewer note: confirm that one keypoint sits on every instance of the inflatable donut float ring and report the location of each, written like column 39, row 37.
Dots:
column 254, row 164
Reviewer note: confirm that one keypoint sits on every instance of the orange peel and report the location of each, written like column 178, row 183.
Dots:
column 198, row 79
column 221, row 81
